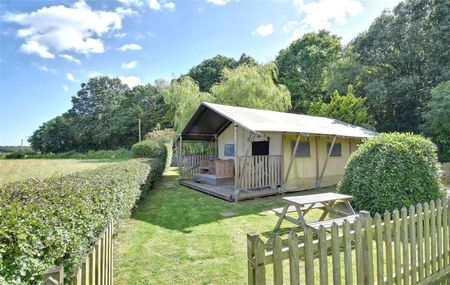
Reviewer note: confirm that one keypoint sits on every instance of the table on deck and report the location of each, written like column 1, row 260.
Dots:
column 324, row 201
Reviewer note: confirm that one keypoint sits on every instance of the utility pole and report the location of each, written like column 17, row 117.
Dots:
column 139, row 129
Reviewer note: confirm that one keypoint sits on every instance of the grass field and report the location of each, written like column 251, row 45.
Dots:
column 181, row 236
column 20, row 169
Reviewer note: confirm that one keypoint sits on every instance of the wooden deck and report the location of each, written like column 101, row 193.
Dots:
column 226, row 191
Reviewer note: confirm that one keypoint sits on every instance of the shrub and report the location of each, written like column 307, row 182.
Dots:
column 148, row 149
column 162, row 136
column 99, row 154
column 55, row 221
column 391, row 171
column 15, row 155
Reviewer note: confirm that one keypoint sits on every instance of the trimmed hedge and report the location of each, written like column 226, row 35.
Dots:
column 392, row 171
column 56, row 221
column 149, row 149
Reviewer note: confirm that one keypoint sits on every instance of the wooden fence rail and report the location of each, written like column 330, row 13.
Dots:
column 97, row 267
column 190, row 164
column 409, row 247
column 259, row 171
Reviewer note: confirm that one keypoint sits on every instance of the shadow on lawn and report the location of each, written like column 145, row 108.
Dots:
column 177, row 207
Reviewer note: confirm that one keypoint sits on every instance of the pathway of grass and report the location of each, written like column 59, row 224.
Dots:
column 181, row 236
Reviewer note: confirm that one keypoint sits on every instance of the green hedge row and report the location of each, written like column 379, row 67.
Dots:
column 148, row 148
column 99, row 154
column 57, row 220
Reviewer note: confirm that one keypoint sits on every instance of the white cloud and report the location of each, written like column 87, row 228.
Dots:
column 70, row 77
column 125, row 11
column 130, row 47
column 55, row 29
column 65, row 88
column 218, row 2
column 264, row 30
column 120, row 35
column 46, row 69
column 129, row 65
column 322, row 14
column 137, row 3
column 154, row 4
column 131, row 80
column 70, row 58
column 94, row 74
column 169, row 5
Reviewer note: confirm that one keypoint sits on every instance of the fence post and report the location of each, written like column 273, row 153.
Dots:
column 54, row 276
column 251, row 241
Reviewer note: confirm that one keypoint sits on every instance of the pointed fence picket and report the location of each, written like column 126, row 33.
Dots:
column 97, row 266
column 411, row 246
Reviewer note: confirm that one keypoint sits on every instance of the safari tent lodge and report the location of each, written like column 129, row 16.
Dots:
column 250, row 153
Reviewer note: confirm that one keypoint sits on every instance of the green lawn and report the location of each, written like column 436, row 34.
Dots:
column 20, row 169
column 181, row 236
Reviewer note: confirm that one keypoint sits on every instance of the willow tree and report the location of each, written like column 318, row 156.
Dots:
column 253, row 86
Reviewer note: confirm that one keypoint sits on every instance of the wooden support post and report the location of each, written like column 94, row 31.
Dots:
column 180, row 159
column 243, row 170
column 236, row 166
column 326, row 161
column 316, row 143
column 251, row 248
column 54, row 276
column 294, row 151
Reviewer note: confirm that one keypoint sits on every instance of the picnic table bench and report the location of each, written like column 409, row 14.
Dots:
column 324, row 201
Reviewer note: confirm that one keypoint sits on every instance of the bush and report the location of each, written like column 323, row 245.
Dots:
column 391, row 171
column 149, row 149
column 15, row 155
column 161, row 136
column 57, row 220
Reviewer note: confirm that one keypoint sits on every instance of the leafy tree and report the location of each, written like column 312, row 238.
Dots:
column 437, row 119
column 346, row 108
column 252, row 86
column 184, row 97
column 303, row 64
column 55, row 135
column 209, row 71
column 405, row 54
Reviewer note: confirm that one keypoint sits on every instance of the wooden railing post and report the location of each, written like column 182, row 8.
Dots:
column 251, row 242
column 54, row 276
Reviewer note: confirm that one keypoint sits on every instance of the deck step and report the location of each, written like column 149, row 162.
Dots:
column 329, row 223
column 291, row 209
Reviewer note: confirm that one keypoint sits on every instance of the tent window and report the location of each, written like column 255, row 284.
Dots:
column 228, row 149
column 260, row 148
column 336, row 151
column 303, row 149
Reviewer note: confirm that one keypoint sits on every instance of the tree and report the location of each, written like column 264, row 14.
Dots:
column 209, row 71
column 184, row 97
column 437, row 119
column 252, row 86
column 405, row 54
column 346, row 108
column 303, row 64
column 55, row 135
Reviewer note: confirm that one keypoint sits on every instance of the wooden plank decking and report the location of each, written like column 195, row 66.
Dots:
column 226, row 192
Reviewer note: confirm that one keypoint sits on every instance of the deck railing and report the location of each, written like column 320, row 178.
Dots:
column 409, row 247
column 259, row 171
column 190, row 164
column 97, row 267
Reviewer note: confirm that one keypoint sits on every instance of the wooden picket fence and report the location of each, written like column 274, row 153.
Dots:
column 409, row 247
column 97, row 267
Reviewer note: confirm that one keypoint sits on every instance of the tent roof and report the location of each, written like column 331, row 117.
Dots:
column 212, row 119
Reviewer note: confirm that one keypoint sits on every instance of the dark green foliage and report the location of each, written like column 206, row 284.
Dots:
column 105, row 115
column 13, row 148
column 120, row 153
column 392, row 171
column 149, row 149
column 437, row 120
column 162, row 136
column 56, row 221
column 304, row 63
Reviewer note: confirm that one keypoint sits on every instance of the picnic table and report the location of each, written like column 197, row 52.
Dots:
column 324, row 201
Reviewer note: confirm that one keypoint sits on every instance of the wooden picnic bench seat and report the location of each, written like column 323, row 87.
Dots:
column 329, row 223
column 291, row 209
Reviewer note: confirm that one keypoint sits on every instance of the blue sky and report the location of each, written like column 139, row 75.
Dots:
column 48, row 48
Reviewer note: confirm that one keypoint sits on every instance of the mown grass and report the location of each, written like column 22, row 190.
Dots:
column 181, row 236
column 20, row 169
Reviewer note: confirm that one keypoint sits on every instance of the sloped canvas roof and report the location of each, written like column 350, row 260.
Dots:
column 211, row 119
